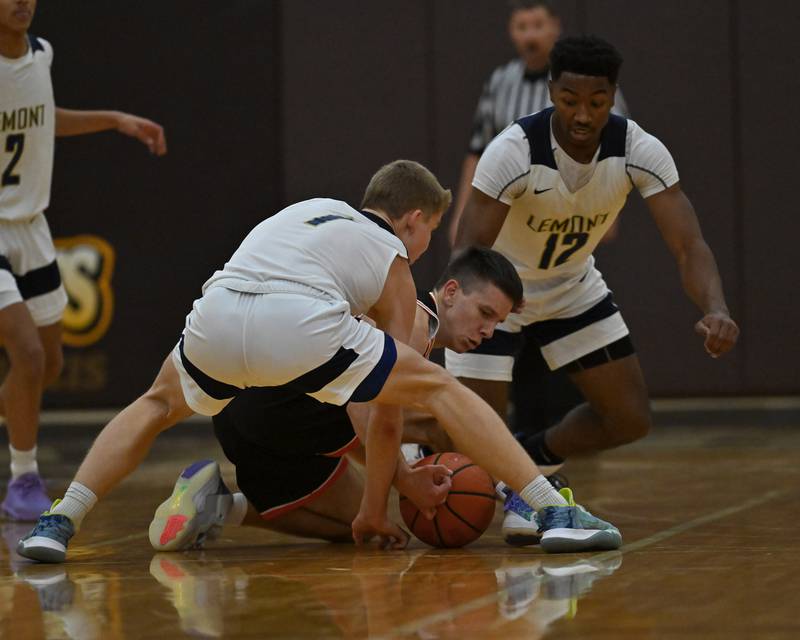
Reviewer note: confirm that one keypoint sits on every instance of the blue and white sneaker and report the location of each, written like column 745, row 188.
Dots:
column 571, row 528
column 194, row 512
column 48, row 540
column 520, row 523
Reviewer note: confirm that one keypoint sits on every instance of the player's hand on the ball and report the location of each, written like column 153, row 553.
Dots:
column 366, row 528
column 146, row 131
column 720, row 333
column 426, row 486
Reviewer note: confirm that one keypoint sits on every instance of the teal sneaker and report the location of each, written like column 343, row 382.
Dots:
column 194, row 512
column 571, row 528
column 48, row 540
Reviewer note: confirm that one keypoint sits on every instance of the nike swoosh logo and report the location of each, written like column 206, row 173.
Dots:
column 538, row 191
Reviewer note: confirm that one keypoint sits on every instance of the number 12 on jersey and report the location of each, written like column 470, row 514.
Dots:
column 571, row 242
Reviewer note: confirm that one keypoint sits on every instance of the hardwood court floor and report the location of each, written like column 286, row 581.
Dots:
column 709, row 515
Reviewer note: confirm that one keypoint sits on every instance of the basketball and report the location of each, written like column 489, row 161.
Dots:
column 465, row 515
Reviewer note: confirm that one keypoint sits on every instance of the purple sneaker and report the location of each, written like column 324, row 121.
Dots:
column 26, row 498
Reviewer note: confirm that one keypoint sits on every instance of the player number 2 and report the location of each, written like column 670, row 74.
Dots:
column 573, row 242
column 15, row 143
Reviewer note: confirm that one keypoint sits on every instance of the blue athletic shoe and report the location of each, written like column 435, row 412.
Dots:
column 520, row 523
column 571, row 528
column 48, row 540
column 194, row 512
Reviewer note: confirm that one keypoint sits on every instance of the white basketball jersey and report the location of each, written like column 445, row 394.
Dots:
column 550, row 231
column 27, row 132
column 320, row 243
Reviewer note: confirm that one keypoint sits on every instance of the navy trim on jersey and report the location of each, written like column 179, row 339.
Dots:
column 613, row 138
column 39, row 281
column 35, row 43
column 5, row 264
column 502, row 343
column 379, row 221
column 655, row 175
column 371, row 386
column 548, row 331
column 214, row 388
column 537, row 131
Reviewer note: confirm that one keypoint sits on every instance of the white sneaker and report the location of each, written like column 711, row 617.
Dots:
column 521, row 523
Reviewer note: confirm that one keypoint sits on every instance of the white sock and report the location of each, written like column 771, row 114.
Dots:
column 238, row 510
column 76, row 503
column 22, row 462
column 540, row 493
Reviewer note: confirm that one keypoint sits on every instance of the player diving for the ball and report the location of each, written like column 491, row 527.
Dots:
column 291, row 456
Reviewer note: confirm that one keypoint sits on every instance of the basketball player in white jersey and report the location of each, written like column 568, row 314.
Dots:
column 281, row 315
column 291, row 457
column 544, row 193
column 32, row 299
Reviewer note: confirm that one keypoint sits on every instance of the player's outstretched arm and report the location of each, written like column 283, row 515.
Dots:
column 677, row 221
column 71, row 122
column 393, row 313
column 481, row 220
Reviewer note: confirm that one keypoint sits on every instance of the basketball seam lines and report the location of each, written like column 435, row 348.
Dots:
column 460, row 469
column 438, row 533
column 469, row 524
column 472, row 493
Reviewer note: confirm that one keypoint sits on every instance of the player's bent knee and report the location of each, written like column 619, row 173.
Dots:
column 166, row 406
column 28, row 362
column 629, row 428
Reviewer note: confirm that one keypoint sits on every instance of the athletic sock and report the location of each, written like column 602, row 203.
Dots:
column 238, row 509
column 539, row 493
column 22, row 462
column 76, row 503
column 537, row 449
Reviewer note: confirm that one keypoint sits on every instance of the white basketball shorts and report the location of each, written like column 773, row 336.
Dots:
column 294, row 340
column 28, row 270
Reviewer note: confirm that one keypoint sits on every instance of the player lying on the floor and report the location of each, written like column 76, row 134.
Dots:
column 290, row 456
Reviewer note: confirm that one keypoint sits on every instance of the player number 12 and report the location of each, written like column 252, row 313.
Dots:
column 573, row 242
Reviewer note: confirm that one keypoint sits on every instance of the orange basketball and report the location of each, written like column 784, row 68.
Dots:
column 465, row 515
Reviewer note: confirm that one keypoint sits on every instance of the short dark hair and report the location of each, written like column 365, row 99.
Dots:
column 403, row 185
column 587, row 56
column 476, row 266
column 522, row 5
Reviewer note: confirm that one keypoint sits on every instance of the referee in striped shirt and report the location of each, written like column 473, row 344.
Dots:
column 518, row 88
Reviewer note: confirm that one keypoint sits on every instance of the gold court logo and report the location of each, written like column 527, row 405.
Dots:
column 86, row 263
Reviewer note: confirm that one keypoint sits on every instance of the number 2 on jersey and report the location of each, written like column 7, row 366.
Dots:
column 15, row 143
column 573, row 242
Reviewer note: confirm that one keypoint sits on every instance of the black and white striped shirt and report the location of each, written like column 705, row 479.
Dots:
column 511, row 92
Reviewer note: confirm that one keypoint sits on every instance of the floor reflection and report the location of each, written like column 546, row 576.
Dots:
column 424, row 594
